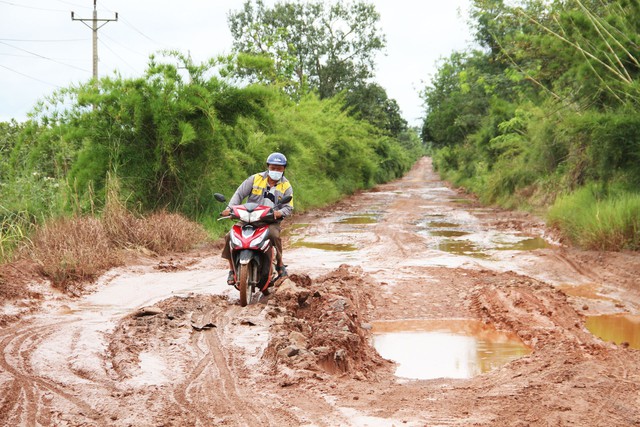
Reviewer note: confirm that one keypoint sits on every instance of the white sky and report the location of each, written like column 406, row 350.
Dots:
column 42, row 49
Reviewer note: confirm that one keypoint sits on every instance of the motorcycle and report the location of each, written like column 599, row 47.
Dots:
column 253, row 255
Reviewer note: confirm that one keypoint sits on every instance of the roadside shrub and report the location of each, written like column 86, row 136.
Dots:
column 164, row 232
column 73, row 249
column 79, row 249
column 593, row 219
column 14, row 229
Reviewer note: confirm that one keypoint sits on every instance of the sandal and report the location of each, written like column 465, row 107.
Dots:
column 282, row 271
column 231, row 278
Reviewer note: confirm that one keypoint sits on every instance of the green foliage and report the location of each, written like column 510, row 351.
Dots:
column 598, row 218
column 313, row 45
column 15, row 229
column 172, row 138
column 549, row 104
column 371, row 103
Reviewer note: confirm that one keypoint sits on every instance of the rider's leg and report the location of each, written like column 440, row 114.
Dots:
column 226, row 254
column 276, row 241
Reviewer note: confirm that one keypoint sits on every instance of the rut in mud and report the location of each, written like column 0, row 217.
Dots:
column 166, row 343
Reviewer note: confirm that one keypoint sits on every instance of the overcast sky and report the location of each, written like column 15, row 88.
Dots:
column 42, row 49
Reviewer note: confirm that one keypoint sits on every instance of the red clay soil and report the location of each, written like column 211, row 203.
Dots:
column 304, row 354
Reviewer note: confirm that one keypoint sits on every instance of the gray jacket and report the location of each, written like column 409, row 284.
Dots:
column 256, row 188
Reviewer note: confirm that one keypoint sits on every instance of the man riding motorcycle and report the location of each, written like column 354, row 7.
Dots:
column 272, row 185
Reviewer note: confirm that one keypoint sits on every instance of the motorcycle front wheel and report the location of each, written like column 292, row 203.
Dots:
column 243, row 284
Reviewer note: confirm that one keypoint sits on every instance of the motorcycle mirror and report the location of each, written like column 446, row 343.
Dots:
column 219, row 197
column 285, row 200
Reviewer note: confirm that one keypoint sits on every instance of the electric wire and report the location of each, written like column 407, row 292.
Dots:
column 17, row 55
column 33, row 7
column 143, row 34
column 116, row 54
column 44, row 57
column 122, row 45
column 44, row 41
column 130, row 25
column 30, row 77
column 74, row 4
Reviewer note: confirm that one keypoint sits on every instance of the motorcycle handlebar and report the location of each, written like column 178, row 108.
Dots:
column 269, row 219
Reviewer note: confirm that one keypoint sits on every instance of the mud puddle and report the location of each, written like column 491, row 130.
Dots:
column 460, row 235
column 369, row 218
column 323, row 246
column 617, row 328
column 449, row 348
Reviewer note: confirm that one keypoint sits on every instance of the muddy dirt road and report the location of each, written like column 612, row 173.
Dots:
column 165, row 343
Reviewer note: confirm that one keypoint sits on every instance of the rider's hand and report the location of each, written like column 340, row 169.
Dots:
column 225, row 212
column 277, row 214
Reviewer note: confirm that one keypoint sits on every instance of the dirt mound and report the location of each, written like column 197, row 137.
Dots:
column 320, row 326
column 572, row 377
column 153, row 329
column 316, row 328
column 17, row 295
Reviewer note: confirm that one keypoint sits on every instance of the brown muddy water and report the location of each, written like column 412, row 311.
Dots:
column 360, row 219
column 449, row 233
column 617, row 328
column 340, row 247
column 445, row 348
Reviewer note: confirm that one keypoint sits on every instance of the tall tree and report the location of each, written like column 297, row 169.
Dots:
column 313, row 45
column 371, row 102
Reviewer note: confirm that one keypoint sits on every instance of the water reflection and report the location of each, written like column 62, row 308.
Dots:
column 525, row 245
column 449, row 233
column 443, row 224
column 360, row 219
column 342, row 247
column 585, row 290
column 617, row 328
column 462, row 247
column 426, row 349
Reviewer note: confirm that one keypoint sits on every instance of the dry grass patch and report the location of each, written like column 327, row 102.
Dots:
column 73, row 249
column 164, row 232
column 120, row 225
column 78, row 249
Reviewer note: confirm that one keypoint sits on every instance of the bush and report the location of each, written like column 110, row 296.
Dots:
column 79, row 249
column 73, row 249
column 164, row 232
column 597, row 219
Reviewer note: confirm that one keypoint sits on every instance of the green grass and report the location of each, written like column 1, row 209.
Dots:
column 595, row 221
column 14, row 230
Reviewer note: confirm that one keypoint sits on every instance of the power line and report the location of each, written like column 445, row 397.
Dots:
column 43, row 41
column 116, row 54
column 74, row 4
column 30, row 77
column 130, row 25
column 31, row 7
column 43, row 57
column 142, row 34
column 124, row 46
column 15, row 55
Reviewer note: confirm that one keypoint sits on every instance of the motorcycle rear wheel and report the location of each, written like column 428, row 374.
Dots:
column 243, row 284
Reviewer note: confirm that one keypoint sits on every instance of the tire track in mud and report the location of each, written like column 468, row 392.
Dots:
column 21, row 402
column 212, row 384
column 573, row 265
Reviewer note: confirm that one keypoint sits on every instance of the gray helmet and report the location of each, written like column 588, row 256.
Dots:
column 277, row 159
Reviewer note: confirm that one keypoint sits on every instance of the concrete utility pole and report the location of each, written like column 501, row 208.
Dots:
column 94, row 27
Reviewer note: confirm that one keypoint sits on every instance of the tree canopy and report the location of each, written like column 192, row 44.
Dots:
column 313, row 45
column 547, row 103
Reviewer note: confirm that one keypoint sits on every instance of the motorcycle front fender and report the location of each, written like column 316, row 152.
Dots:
column 245, row 256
